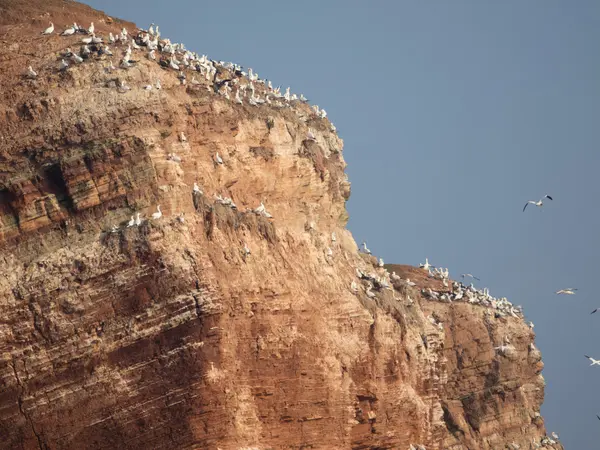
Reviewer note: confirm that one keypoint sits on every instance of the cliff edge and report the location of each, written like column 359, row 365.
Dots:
column 219, row 325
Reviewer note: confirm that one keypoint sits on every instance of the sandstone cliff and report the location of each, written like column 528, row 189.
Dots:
column 168, row 334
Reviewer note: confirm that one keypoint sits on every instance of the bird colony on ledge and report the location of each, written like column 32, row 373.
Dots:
column 239, row 86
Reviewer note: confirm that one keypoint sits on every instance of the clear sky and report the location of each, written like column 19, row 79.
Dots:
column 454, row 114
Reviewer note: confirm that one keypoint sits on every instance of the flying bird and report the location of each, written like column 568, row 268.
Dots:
column 539, row 203
column 469, row 275
column 569, row 291
column 595, row 362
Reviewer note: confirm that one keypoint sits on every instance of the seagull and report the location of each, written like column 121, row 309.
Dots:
column 470, row 275
column 218, row 159
column 31, row 73
column 569, row 291
column 138, row 221
column 49, row 30
column 131, row 222
column 539, row 203
column 365, row 249
column 69, row 31
column 158, row 214
column 595, row 362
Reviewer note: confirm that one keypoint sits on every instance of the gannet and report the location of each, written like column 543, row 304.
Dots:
column 568, row 291
column 246, row 250
column 333, row 236
column 63, row 65
column 69, row 31
column 151, row 55
column 151, row 29
column 131, row 222
column 49, row 30
column 114, row 229
column 196, row 189
column 158, row 85
column 365, row 249
column 329, row 252
column 91, row 28
column 181, row 217
column 354, row 287
column 218, row 159
column 311, row 136
column 174, row 157
column 108, row 51
column 96, row 40
column 182, row 137
column 123, row 87
column 380, row 262
column 31, row 73
column 539, row 203
column 88, row 40
column 173, row 65
column 595, row 362
column 148, row 87
column 111, row 38
column 134, row 45
column 554, row 436
column 469, row 275
column 138, row 220
column 425, row 266
column 158, row 214
column 410, row 283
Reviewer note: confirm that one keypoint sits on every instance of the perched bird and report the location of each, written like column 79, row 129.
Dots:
column 311, row 136
column 69, row 31
column 554, row 436
column 539, row 203
column 131, row 222
column 182, row 137
column 148, row 87
column 138, row 220
column 218, row 159
column 181, row 217
column 333, row 236
column 49, row 30
column 246, row 250
column 469, row 275
column 32, row 74
column 365, row 249
column 158, row 85
column 158, row 214
column 91, row 28
column 197, row 189
column 381, row 264
column 595, row 362
column 151, row 55
column 569, row 291
column 63, row 65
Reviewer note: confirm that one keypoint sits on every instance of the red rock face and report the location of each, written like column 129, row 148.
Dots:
column 168, row 334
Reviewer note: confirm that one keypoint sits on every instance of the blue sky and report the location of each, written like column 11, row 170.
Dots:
column 453, row 114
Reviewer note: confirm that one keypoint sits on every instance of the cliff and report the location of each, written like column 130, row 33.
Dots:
column 214, row 326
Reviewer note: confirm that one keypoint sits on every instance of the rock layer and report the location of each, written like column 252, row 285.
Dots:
column 168, row 335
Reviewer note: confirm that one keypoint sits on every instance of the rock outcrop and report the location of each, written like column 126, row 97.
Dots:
column 170, row 334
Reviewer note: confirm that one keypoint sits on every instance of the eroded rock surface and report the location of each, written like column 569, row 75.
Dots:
column 168, row 334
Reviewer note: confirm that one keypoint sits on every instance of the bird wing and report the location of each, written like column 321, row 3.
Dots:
column 548, row 197
column 588, row 357
column 477, row 278
column 594, row 311
column 525, row 206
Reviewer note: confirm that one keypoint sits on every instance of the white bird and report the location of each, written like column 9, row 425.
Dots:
column 365, row 249
column 148, row 87
column 595, row 362
column 181, row 217
column 114, row 229
column 151, row 55
column 182, row 137
column 138, row 221
column 32, row 74
column 425, row 266
column 197, row 189
column 380, row 262
column 218, row 159
column 333, row 236
column 158, row 85
column 310, row 135
column 111, row 38
column 49, row 30
column 76, row 58
column 469, row 275
column 554, row 436
column 354, row 287
column 246, row 250
column 91, row 28
column 63, row 65
column 329, row 252
column 108, row 51
column 174, row 157
column 568, row 291
column 134, row 45
column 123, row 86
column 158, row 214
column 131, row 222
column 88, row 40
column 410, row 283
column 173, row 65
column 539, row 203
column 68, row 32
